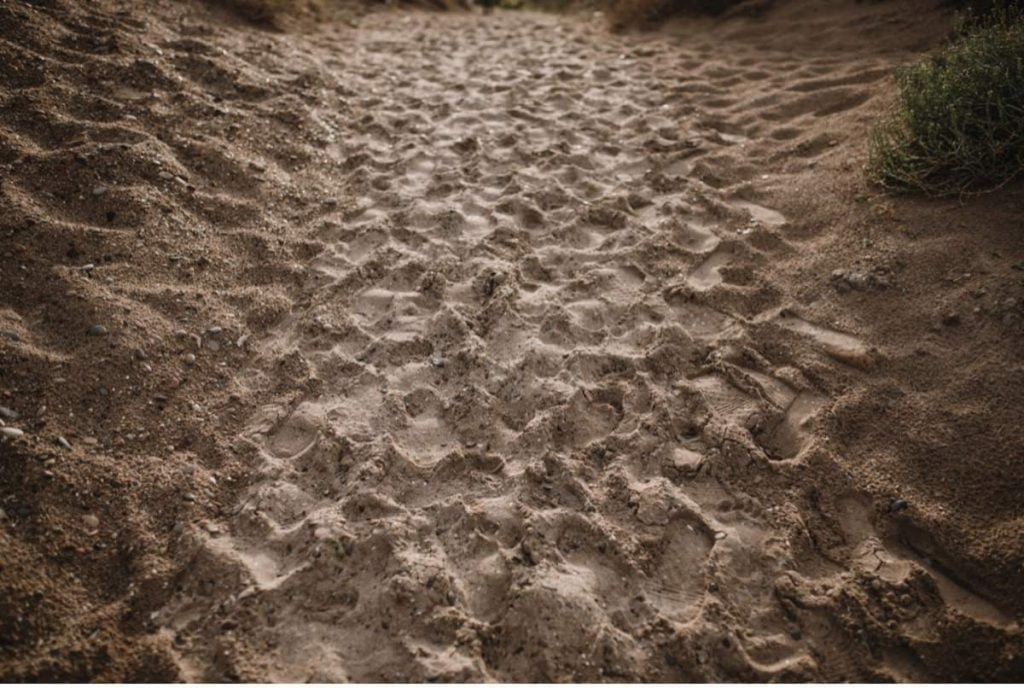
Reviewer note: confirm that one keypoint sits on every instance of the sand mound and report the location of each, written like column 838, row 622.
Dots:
column 450, row 348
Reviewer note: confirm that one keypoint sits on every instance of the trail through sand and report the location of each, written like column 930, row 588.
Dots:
column 532, row 436
column 534, row 403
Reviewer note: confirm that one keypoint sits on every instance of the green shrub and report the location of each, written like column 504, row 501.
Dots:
column 958, row 123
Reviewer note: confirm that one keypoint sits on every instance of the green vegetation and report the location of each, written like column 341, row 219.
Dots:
column 958, row 124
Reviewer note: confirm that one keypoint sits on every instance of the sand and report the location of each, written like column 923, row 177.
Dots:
column 505, row 348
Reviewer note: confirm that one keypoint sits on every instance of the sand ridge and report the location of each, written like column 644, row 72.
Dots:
column 519, row 394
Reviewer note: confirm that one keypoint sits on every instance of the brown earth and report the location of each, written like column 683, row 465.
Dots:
column 465, row 348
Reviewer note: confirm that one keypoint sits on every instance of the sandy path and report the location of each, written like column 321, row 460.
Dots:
column 537, row 400
column 501, row 470
column 532, row 429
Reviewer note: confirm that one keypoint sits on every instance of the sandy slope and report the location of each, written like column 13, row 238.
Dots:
column 529, row 359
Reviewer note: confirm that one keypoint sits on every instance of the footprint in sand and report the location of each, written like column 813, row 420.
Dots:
column 842, row 347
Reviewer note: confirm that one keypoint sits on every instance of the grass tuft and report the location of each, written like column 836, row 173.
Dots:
column 958, row 123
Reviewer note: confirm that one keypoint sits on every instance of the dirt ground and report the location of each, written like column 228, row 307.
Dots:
column 462, row 348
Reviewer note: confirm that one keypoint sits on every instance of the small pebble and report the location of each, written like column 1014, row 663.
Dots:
column 99, row 190
column 189, row 497
column 438, row 361
column 898, row 505
column 8, row 413
column 11, row 433
column 190, row 359
column 97, row 331
column 242, row 340
column 63, row 443
column 719, row 535
column 215, row 330
column 91, row 521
